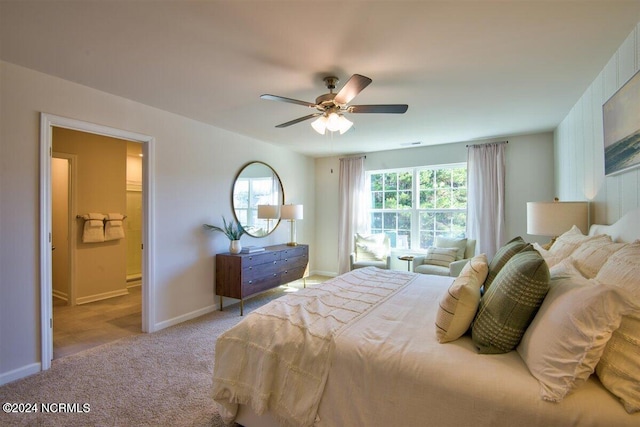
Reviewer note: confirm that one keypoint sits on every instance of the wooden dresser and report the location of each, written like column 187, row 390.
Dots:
column 242, row 275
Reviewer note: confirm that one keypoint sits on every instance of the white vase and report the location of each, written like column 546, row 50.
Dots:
column 235, row 247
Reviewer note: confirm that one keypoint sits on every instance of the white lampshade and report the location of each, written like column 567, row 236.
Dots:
column 554, row 218
column 268, row 211
column 291, row 212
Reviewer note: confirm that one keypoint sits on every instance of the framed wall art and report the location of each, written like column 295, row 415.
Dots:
column 621, row 117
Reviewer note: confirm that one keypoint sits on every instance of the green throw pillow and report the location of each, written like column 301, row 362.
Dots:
column 510, row 304
column 501, row 257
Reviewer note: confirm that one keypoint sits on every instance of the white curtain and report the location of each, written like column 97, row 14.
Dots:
column 485, row 200
column 351, row 207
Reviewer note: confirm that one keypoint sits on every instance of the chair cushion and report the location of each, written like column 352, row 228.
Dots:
column 440, row 256
column 371, row 247
column 449, row 242
column 437, row 270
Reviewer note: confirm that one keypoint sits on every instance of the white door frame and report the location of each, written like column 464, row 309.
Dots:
column 47, row 121
column 72, row 159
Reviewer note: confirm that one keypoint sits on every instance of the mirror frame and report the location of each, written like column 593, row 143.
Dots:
column 271, row 228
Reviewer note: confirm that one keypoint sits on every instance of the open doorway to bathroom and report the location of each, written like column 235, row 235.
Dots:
column 97, row 277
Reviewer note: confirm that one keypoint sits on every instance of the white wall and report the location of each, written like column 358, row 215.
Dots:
column 529, row 176
column 195, row 165
column 579, row 143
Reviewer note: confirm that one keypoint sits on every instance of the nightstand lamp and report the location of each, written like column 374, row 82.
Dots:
column 554, row 218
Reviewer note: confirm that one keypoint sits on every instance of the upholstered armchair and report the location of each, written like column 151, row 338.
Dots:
column 371, row 251
column 447, row 258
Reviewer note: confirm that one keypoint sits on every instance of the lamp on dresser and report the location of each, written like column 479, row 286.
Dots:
column 291, row 213
column 268, row 212
column 554, row 218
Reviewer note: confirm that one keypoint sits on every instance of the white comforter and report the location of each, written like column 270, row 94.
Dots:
column 388, row 369
column 278, row 358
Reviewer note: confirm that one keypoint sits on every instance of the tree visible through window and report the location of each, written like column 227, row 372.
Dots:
column 414, row 206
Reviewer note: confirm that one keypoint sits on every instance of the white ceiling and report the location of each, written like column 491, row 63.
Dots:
column 468, row 70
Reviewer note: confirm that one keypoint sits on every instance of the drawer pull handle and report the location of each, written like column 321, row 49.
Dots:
column 251, row 282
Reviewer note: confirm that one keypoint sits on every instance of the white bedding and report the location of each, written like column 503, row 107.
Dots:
column 388, row 369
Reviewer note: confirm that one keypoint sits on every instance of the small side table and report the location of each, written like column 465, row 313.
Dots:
column 408, row 258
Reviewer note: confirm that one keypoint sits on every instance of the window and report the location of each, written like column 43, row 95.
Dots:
column 413, row 206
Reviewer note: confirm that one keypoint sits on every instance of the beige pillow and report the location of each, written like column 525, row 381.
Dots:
column 448, row 242
column 590, row 256
column 459, row 305
column 563, row 344
column 371, row 248
column 569, row 241
column 619, row 366
column 440, row 256
column 623, row 269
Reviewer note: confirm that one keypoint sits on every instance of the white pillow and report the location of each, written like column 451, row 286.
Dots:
column 448, row 242
column 371, row 248
column 590, row 256
column 563, row 344
column 565, row 245
column 459, row 305
column 622, row 269
column 440, row 256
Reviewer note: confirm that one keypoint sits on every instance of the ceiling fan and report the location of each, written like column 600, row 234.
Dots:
column 332, row 106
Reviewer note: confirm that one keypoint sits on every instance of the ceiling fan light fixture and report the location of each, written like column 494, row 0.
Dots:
column 345, row 124
column 320, row 125
column 333, row 122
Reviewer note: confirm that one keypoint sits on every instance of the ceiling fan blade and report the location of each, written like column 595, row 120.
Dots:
column 382, row 108
column 353, row 87
column 298, row 120
column 289, row 100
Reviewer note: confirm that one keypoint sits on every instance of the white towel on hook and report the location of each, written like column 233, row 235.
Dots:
column 93, row 228
column 113, row 229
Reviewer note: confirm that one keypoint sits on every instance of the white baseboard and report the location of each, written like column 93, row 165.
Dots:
column 20, row 373
column 324, row 273
column 183, row 318
column 99, row 297
column 60, row 295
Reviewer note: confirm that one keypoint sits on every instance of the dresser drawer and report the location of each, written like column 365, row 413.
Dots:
column 261, row 270
column 260, row 258
column 292, row 274
column 260, row 284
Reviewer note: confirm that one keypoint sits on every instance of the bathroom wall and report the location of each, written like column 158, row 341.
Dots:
column 100, row 187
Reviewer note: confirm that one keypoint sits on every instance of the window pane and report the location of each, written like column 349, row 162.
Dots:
column 443, row 198
column 390, row 201
column 390, row 221
column 404, row 200
column 376, row 220
column 376, row 182
column 376, row 200
column 405, row 181
column 390, row 181
column 426, row 178
column 427, row 199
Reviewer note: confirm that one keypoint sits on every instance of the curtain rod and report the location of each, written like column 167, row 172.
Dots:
column 354, row 157
column 487, row 143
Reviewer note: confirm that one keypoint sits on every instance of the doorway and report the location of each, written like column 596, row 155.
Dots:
column 48, row 123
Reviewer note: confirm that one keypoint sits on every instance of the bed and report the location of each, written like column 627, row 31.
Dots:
column 361, row 350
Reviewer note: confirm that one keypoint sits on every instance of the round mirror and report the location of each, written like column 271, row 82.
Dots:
column 257, row 197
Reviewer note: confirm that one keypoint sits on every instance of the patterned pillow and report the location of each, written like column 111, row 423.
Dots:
column 619, row 366
column 440, row 256
column 447, row 242
column 510, row 304
column 459, row 305
column 501, row 257
column 591, row 256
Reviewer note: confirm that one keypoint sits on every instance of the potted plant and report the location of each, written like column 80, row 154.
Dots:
column 233, row 230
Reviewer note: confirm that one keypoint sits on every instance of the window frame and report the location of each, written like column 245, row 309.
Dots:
column 415, row 210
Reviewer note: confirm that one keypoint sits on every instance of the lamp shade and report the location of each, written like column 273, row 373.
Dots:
column 291, row 212
column 554, row 218
column 268, row 211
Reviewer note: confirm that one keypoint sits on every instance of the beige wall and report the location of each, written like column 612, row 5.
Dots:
column 60, row 259
column 133, row 224
column 100, row 187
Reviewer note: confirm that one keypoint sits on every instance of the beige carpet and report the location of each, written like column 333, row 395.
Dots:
column 159, row 379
